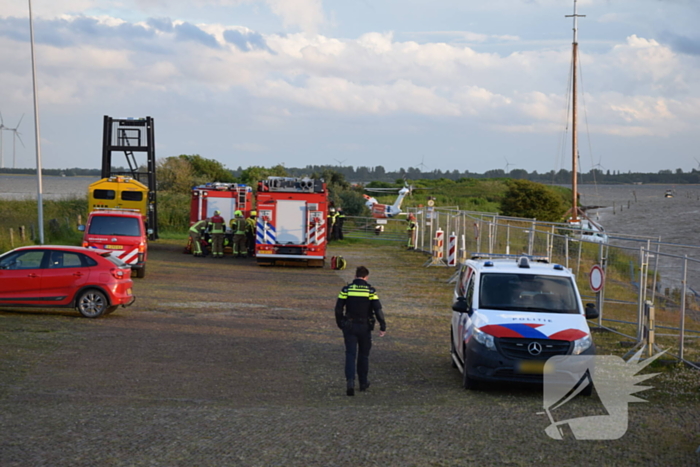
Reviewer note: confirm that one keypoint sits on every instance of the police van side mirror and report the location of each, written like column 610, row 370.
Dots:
column 462, row 306
column 81, row 228
column 591, row 311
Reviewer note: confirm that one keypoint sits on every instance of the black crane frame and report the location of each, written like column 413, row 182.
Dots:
column 131, row 135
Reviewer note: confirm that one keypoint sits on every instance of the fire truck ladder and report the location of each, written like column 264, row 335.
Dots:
column 132, row 135
column 242, row 200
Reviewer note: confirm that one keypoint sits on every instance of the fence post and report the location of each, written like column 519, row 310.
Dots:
column 656, row 269
column 650, row 315
column 602, row 259
column 640, row 301
column 12, row 238
column 681, row 346
column 22, row 233
column 508, row 238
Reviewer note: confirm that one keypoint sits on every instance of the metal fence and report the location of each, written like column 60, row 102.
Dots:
column 649, row 293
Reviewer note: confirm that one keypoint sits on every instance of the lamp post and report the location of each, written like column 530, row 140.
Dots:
column 40, row 189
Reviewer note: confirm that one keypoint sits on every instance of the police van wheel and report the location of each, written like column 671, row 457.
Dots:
column 141, row 273
column 467, row 382
column 453, row 354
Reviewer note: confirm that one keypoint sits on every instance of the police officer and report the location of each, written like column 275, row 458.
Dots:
column 250, row 232
column 362, row 306
column 218, row 227
column 238, row 226
column 196, row 232
column 411, row 231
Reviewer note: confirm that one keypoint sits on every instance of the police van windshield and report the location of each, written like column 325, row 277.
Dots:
column 121, row 226
column 527, row 292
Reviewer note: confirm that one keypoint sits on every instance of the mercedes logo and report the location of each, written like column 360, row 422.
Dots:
column 114, row 239
column 535, row 348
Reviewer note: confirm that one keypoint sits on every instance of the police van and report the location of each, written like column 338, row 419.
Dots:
column 510, row 314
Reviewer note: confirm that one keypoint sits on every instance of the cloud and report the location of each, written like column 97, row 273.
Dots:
column 189, row 32
column 306, row 14
column 683, row 44
column 246, row 40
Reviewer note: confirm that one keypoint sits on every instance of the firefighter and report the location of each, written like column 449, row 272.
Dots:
column 250, row 232
column 362, row 310
column 196, row 232
column 332, row 217
column 218, row 227
column 411, row 232
column 238, row 225
column 339, row 221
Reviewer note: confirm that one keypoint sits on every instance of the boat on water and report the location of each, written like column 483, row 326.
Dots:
column 669, row 194
column 583, row 227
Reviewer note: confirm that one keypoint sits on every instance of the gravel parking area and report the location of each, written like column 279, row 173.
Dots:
column 223, row 362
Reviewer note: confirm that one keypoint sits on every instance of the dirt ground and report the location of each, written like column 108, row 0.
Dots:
column 223, row 362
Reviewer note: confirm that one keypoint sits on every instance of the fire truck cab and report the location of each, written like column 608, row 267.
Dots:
column 291, row 225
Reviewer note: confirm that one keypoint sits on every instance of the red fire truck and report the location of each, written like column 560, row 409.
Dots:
column 291, row 226
column 225, row 197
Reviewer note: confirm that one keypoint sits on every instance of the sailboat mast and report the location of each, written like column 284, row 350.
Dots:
column 574, row 113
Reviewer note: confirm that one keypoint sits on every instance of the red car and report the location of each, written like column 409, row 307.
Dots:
column 92, row 281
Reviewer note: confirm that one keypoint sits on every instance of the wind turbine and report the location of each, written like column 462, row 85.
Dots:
column 2, row 127
column 340, row 163
column 422, row 165
column 15, row 135
column 508, row 164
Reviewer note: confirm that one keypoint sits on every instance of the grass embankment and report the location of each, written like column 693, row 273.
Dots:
column 62, row 217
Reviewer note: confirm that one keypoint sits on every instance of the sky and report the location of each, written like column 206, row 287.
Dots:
column 467, row 85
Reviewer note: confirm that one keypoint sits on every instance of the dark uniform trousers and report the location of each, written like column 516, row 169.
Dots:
column 357, row 335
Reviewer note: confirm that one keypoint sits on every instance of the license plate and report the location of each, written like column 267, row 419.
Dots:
column 114, row 247
column 535, row 367
column 128, row 291
column 264, row 252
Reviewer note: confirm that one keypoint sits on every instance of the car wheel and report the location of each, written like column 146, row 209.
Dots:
column 92, row 303
column 453, row 354
column 467, row 382
column 141, row 273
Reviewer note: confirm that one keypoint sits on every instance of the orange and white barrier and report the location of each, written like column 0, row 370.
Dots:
column 452, row 250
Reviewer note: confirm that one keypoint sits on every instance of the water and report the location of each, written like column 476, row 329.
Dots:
column 25, row 186
column 643, row 210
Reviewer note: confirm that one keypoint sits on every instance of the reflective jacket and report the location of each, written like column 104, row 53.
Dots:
column 360, row 301
column 200, row 226
column 218, row 225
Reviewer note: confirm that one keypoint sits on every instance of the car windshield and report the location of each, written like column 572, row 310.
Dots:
column 527, row 292
column 122, row 226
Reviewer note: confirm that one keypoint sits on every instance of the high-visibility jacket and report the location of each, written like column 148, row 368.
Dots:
column 238, row 225
column 218, row 225
column 250, row 225
column 200, row 226
column 360, row 301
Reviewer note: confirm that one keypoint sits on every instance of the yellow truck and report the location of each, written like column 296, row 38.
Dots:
column 118, row 192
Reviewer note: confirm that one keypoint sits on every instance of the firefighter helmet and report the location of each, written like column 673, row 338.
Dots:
column 217, row 213
column 238, row 214
column 253, row 213
column 332, row 209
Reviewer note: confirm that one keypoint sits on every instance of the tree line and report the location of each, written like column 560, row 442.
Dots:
column 363, row 174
